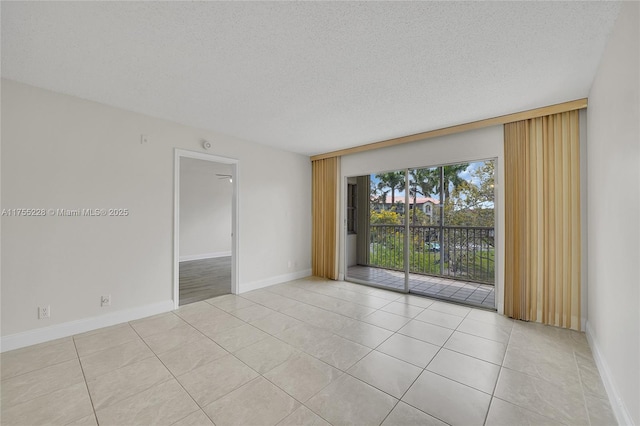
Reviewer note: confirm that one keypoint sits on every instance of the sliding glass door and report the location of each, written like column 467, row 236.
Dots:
column 427, row 230
column 376, row 230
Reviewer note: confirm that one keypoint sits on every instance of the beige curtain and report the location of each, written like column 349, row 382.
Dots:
column 324, row 205
column 542, row 197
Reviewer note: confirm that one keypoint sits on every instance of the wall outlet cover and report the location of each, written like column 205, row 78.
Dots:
column 105, row 300
column 44, row 312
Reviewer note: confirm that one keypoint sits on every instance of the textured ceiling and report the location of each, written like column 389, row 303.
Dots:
column 310, row 77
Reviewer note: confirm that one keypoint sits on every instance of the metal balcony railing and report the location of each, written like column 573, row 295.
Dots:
column 459, row 252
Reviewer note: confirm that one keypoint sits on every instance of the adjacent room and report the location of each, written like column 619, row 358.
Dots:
column 205, row 213
column 320, row 213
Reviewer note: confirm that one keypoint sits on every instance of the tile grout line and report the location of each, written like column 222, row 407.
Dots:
column 393, row 333
column 503, row 367
column 172, row 375
column 584, row 397
column 142, row 360
column 471, row 387
column 495, row 386
column 343, row 372
column 397, row 332
column 228, row 353
column 262, row 375
column 492, row 395
column 303, row 404
column 300, row 351
column 86, row 384
column 43, row 367
column 360, row 320
column 425, row 367
column 418, row 376
column 297, row 349
column 345, row 300
column 315, row 306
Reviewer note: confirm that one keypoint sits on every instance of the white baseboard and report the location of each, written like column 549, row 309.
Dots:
column 255, row 285
column 45, row 334
column 205, row 256
column 617, row 404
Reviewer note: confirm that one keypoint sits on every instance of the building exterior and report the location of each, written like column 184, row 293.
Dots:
column 424, row 204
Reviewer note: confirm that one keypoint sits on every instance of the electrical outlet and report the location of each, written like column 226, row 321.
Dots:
column 105, row 300
column 44, row 312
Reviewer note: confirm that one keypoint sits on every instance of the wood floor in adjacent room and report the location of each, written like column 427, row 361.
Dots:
column 204, row 279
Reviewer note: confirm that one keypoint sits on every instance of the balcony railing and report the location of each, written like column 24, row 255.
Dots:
column 459, row 252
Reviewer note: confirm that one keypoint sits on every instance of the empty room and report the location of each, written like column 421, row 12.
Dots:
column 320, row 213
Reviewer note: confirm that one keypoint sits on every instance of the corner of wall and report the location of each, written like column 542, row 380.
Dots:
column 584, row 222
column 617, row 404
column 613, row 321
column 256, row 285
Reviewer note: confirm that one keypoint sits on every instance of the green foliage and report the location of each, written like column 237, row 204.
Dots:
column 388, row 217
column 376, row 194
column 424, row 181
column 418, row 217
column 470, row 204
column 473, row 266
column 452, row 179
column 466, row 254
column 391, row 180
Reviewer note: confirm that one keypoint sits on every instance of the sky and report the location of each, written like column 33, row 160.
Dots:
column 466, row 175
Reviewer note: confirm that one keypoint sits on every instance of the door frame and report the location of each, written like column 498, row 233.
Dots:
column 498, row 220
column 181, row 153
column 344, row 276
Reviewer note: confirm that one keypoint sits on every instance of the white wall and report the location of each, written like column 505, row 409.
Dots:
column 614, row 216
column 60, row 151
column 462, row 147
column 205, row 209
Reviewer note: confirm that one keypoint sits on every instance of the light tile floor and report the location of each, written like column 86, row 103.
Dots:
column 470, row 293
column 309, row 352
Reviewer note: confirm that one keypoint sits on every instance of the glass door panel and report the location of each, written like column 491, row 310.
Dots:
column 376, row 240
column 428, row 231
column 424, row 235
column 456, row 252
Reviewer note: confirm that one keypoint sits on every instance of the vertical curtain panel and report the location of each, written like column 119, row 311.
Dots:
column 542, row 218
column 324, row 205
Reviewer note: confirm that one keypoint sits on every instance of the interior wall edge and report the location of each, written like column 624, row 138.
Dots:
column 278, row 279
column 202, row 256
column 70, row 328
column 617, row 404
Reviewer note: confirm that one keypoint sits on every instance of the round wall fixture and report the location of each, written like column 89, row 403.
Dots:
column 206, row 144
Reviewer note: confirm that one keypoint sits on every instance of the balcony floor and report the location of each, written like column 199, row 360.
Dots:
column 475, row 294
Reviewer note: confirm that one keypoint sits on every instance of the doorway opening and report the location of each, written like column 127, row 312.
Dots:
column 428, row 231
column 205, row 236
